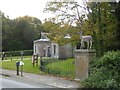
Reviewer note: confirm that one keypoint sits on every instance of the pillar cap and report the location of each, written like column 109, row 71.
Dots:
column 85, row 50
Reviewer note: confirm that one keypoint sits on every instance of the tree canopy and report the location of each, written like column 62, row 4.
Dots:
column 99, row 19
column 19, row 34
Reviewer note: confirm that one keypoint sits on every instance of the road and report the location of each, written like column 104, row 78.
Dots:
column 9, row 83
column 11, row 80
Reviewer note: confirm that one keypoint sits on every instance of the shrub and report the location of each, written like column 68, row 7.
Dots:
column 104, row 72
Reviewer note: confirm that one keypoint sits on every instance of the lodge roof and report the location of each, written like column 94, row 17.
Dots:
column 42, row 40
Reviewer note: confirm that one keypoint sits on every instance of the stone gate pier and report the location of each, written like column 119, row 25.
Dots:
column 82, row 59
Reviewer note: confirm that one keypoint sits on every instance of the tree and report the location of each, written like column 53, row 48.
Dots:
column 101, row 23
column 28, row 28
column 19, row 34
column 66, row 12
column 68, row 17
column 5, row 31
column 33, row 21
column 0, row 31
column 101, row 19
column 57, row 32
column 117, row 11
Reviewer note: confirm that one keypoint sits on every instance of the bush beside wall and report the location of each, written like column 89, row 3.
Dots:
column 104, row 72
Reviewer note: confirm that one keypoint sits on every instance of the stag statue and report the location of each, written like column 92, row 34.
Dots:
column 87, row 39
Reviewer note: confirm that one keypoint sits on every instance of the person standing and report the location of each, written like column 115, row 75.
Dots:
column 3, row 55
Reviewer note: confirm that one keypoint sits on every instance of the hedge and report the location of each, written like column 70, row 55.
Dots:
column 18, row 53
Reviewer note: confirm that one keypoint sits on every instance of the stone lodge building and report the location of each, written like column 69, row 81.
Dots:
column 46, row 48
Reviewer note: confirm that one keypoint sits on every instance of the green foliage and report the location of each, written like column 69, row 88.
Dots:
column 104, row 72
column 19, row 34
column 68, row 15
column 103, row 24
column 117, row 11
column 58, row 32
column 95, row 18
column 65, row 12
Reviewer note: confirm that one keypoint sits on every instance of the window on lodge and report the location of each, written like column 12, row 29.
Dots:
column 54, row 49
column 35, row 48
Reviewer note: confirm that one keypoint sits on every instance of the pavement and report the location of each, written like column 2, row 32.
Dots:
column 41, row 79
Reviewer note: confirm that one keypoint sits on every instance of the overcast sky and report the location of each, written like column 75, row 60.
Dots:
column 16, row 8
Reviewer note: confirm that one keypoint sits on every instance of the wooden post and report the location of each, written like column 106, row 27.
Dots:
column 11, row 57
column 41, row 63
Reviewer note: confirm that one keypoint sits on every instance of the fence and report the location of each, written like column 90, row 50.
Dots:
column 63, row 68
column 17, row 54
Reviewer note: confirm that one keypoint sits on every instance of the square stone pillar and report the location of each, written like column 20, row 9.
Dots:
column 82, row 59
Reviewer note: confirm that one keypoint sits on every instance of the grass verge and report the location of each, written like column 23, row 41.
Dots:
column 11, row 65
column 62, row 68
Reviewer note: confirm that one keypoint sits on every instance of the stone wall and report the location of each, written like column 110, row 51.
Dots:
column 82, row 59
column 66, row 51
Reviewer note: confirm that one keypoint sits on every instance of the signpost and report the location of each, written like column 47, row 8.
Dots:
column 21, row 64
column 11, row 56
column 22, row 55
